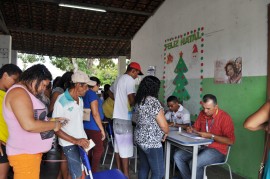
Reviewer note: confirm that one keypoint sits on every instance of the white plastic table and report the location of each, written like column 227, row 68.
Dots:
column 176, row 139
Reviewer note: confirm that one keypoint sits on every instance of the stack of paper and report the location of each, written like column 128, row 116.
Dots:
column 190, row 135
column 91, row 145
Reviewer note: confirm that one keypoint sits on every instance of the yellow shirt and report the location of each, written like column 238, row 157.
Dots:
column 3, row 125
column 108, row 106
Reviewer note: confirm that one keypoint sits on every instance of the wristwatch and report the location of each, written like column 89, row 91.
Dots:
column 213, row 136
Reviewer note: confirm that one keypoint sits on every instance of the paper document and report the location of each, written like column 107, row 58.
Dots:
column 190, row 135
column 91, row 145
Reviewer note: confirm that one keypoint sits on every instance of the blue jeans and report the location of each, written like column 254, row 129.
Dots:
column 74, row 160
column 153, row 159
column 206, row 156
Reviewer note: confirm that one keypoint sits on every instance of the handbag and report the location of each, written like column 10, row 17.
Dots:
column 265, row 154
column 86, row 114
column 40, row 114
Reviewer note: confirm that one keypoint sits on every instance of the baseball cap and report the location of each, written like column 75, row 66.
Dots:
column 136, row 66
column 81, row 77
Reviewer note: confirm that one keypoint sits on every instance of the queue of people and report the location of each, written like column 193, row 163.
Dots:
column 31, row 114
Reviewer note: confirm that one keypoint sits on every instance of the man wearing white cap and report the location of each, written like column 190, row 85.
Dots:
column 124, row 93
column 70, row 105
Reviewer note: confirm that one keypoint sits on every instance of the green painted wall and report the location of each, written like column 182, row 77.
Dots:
column 240, row 101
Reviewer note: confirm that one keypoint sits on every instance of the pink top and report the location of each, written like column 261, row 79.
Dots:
column 20, row 141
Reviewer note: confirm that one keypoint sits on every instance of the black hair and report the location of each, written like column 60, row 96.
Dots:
column 172, row 99
column 93, row 78
column 106, row 87
column 211, row 97
column 106, row 91
column 57, row 82
column 230, row 63
column 37, row 72
column 10, row 69
column 49, row 86
column 66, row 80
column 129, row 68
column 149, row 86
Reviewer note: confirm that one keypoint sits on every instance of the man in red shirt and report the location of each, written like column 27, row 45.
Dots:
column 212, row 123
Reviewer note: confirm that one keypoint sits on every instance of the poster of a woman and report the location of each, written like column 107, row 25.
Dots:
column 229, row 72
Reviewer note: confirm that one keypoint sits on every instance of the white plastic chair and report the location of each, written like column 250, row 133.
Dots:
column 135, row 157
column 222, row 163
column 110, row 139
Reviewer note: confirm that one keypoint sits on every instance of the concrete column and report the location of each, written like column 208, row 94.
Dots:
column 121, row 65
column 14, row 56
column 5, row 49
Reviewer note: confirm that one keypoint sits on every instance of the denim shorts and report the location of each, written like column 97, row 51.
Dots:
column 74, row 160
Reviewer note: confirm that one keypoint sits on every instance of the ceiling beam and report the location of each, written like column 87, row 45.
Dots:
column 113, row 9
column 62, row 34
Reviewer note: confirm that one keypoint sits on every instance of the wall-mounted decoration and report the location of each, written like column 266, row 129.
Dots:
column 169, row 59
column 183, row 68
column 151, row 70
column 180, row 81
column 228, row 71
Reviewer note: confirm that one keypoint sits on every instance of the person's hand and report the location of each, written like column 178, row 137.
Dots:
column 171, row 124
column 82, row 142
column 57, row 126
column 189, row 129
column 103, row 135
column 64, row 121
column 164, row 137
column 205, row 134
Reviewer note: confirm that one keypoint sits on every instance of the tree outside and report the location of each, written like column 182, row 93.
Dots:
column 104, row 69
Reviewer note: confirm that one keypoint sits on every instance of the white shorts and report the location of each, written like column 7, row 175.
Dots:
column 123, row 144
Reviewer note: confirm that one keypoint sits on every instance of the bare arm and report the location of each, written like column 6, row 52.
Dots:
column 131, row 99
column 52, row 100
column 258, row 120
column 220, row 139
column 110, row 94
column 19, row 102
column 161, row 120
column 96, row 116
column 81, row 142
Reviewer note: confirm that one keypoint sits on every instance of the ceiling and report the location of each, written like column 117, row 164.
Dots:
column 43, row 27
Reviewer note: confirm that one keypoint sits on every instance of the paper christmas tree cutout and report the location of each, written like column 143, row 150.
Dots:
column 180, row 80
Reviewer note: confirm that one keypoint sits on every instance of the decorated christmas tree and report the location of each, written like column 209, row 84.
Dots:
column 180, row 80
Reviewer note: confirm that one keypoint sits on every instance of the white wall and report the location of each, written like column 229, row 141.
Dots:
column 232, row 28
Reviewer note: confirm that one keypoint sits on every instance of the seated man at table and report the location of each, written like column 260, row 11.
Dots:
column 177, row 116
column 212, row 123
